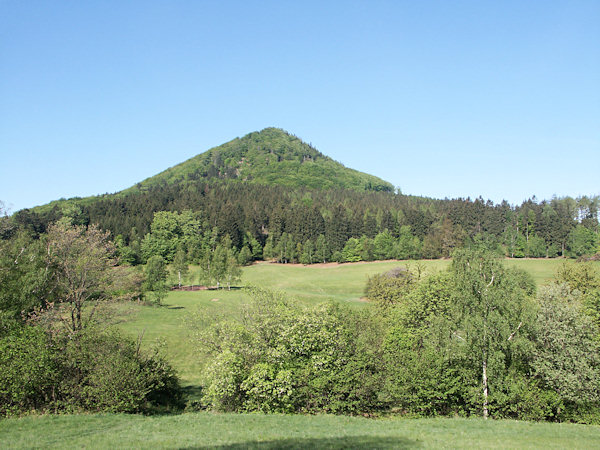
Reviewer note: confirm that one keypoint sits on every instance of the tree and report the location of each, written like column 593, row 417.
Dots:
column 27, row 275
column 233, row 272
column 245, row 256
column 383, row 245
column 491, row 309
column 156, row 278
column 390, row 288
column 180, row 265
column 84, row 259
column 352, row 250
column 6, row 226
column 566, row 354
column 322, row 249
column 308, row 253
column 582, row 241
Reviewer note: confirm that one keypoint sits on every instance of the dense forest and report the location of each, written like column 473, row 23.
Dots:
column 281, row 199
column 349, row 225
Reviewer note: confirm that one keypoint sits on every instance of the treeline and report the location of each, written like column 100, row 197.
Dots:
column 301, row 225
column 474, row 340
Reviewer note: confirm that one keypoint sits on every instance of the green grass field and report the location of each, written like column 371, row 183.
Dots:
column 241, row 431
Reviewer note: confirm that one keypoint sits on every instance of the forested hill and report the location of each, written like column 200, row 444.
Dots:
column 276, row 196
column 270, row 157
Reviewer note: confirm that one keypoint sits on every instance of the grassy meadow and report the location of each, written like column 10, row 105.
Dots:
column 316, row 283
column 249, row 431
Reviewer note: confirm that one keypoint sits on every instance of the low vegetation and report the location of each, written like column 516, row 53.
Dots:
column 274, row 431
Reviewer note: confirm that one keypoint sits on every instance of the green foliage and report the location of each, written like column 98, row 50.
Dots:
column 221, row 266
column 155, row 284
column 566, row 357
column 27, row 276
column 104, row 372
column 282, row 357
column 245, row 256
column 491, row 309
column 523, row 398
column 180, row 265
column 582, row 276
column 583, row 241
column 171, row 231
column 271, row 156
column 352, row 251
column 90, row 370
column 389, row 288
column 29, row 370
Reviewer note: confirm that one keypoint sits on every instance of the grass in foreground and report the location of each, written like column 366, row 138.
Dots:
column 237, row 431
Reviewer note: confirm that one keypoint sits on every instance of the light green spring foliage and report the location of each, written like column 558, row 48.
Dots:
column 25, row 279
column 584, row 278
column 171, row 231
column 281, row 356
column 566, row 357
column 388, row 289
column 273, row 157
column 155, row 283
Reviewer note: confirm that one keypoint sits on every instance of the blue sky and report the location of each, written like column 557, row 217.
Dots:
column 442, row 99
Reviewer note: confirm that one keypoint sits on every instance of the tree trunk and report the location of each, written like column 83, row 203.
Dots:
column 484, row 380
column 179, row 275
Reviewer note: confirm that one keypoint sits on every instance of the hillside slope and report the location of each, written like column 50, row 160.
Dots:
column 272, row 157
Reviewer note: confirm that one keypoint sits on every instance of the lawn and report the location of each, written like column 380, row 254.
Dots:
column 238, row 431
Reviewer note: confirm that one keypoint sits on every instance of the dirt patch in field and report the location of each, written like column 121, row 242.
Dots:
column 332, row 264
column 190, row 288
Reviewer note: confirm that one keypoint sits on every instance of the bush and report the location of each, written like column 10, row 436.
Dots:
column 106, row 372
column 29, row 372
column 389, row 288
column 283, row 357
column 87, row 371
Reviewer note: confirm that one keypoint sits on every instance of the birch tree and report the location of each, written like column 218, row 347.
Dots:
column 491, row 311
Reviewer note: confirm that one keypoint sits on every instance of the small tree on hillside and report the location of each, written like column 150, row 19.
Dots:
column 156, row 278
column 180, row 265
column 84, row 259
column 233, row 272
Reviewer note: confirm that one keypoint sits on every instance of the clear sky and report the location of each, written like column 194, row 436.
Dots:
column 440, row 98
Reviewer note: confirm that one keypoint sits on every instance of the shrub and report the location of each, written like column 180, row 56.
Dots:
column 389, row 288
column 90, row 370
column 29, row 372
column 284, row 357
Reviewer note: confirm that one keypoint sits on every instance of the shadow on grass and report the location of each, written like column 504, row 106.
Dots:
column 192, row 391
column 322, row 443
column 175, row 307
